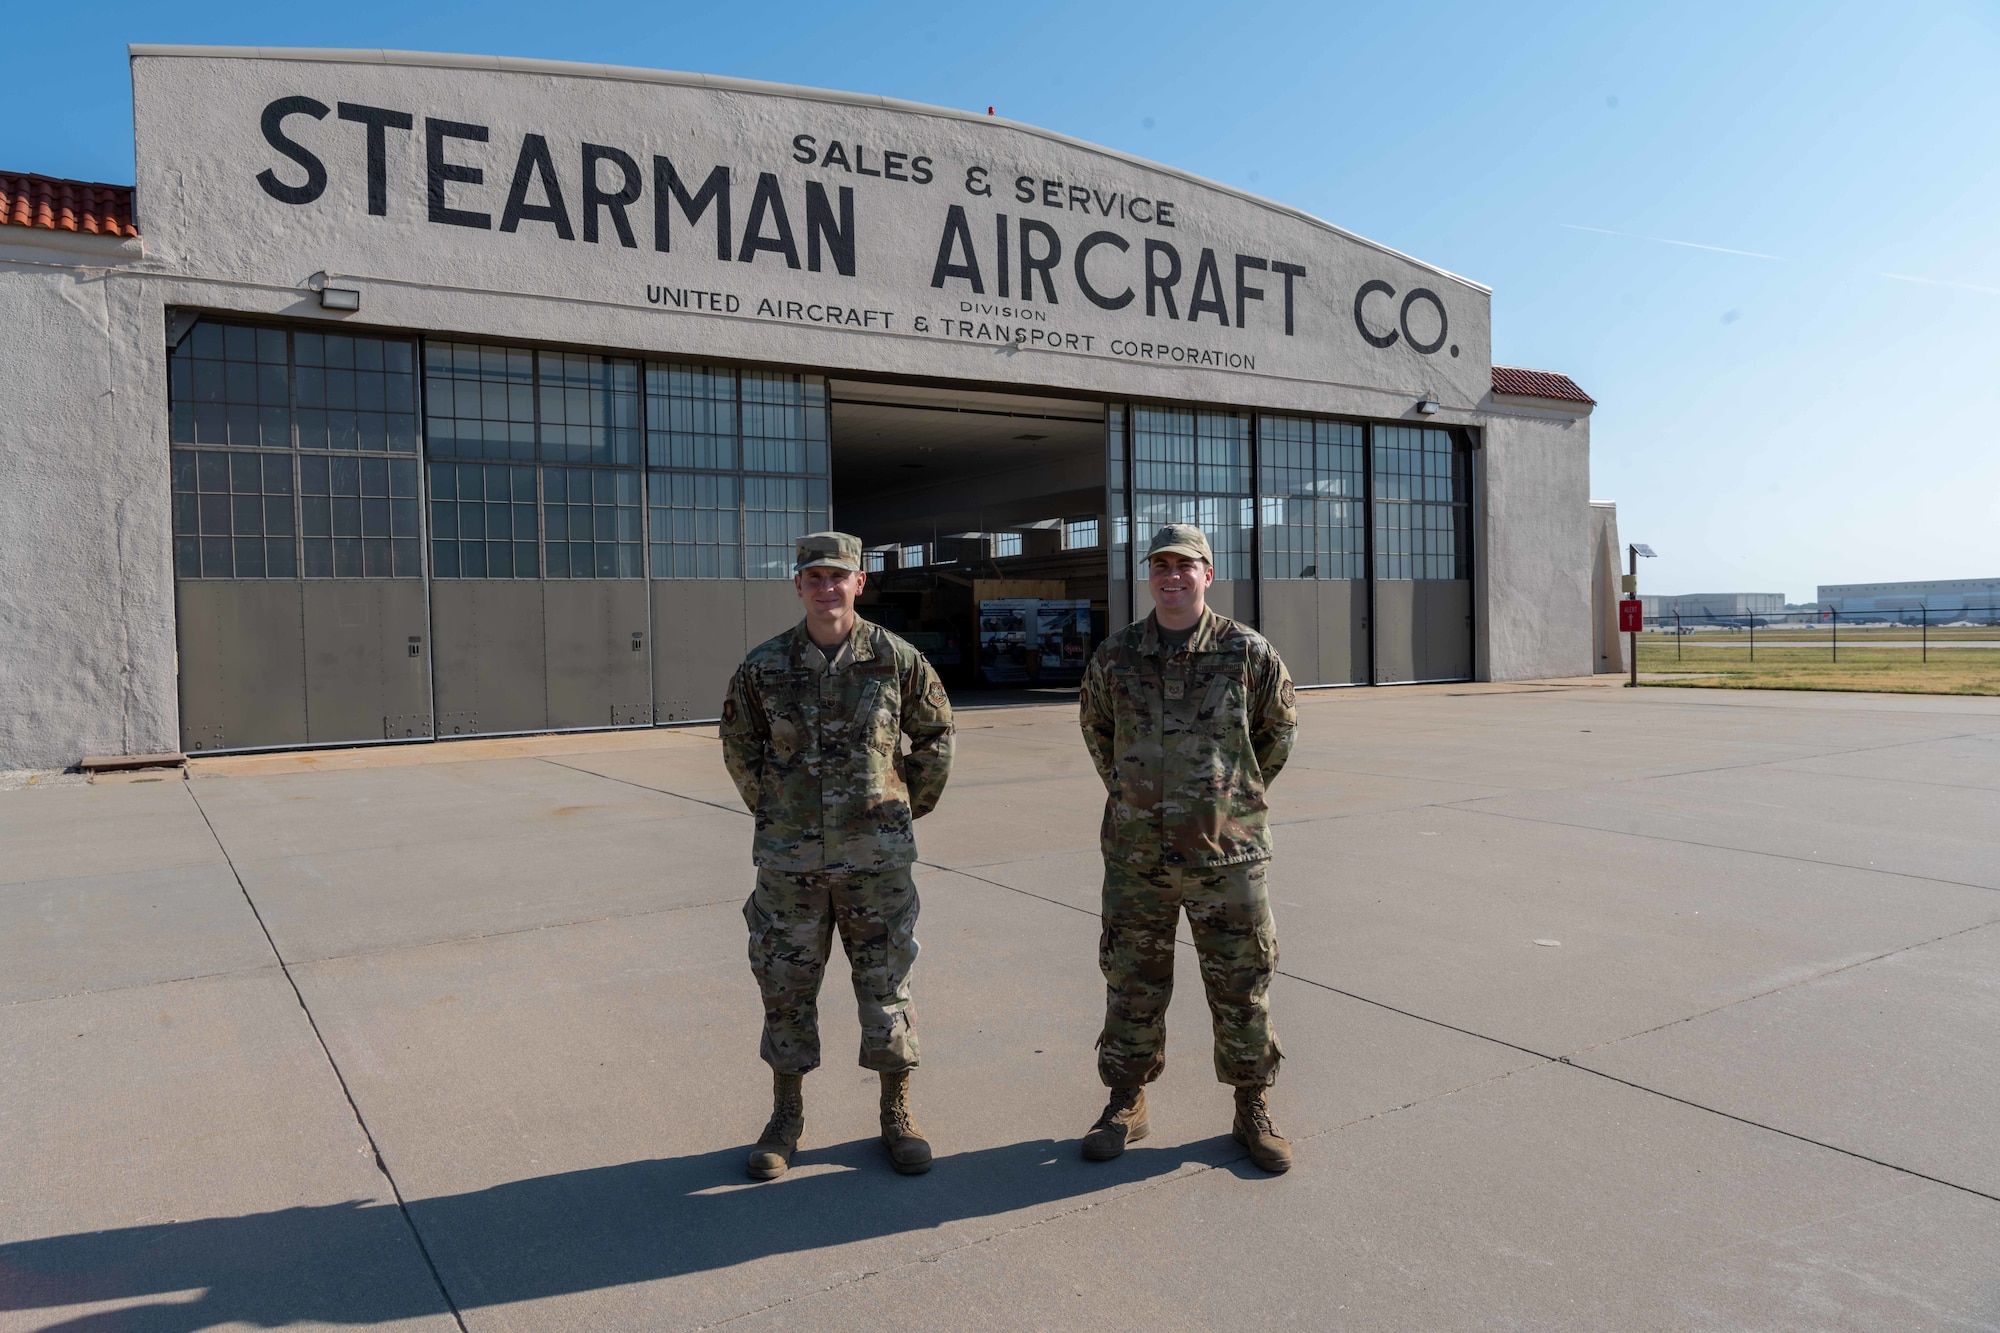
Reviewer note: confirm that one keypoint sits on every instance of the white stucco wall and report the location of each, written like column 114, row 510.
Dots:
column 86, row 586
column 1534, row 547
column 1607, row 643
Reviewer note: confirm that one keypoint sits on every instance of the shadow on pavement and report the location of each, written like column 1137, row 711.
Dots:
column 548, row 1236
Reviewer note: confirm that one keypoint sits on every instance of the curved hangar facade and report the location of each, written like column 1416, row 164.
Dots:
column 410, row 395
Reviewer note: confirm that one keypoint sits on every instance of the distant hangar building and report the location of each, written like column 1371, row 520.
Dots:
column 1714, row 605
column 425, row 395
column 1937, row 599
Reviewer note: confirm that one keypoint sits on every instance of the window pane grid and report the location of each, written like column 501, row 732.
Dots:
column 776, row 512
column 479, row 401
column 358, row 517
column 740, row 469
column 483, row 521
column 230, row 384
column 590, row 523
column 355, row 394
column 589, row 409
column 784, row 424
column 1194, row 467
column 326, row 395
column 696, row 522
column 233, row 515
column 1311, row 506
column 691, row 418
column 243, row 387
column 1422, row 518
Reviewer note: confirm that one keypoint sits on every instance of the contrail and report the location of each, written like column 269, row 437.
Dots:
column 1939, row 282
column 1691, row 245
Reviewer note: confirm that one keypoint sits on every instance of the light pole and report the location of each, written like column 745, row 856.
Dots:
column 1629, row 611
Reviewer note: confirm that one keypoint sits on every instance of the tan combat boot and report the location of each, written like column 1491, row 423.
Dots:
column 773, row 1153
column 1124, row 1121
column 908, row 1152
column 1254, row 1131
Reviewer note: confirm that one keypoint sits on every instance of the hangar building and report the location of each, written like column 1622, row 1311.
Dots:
column 414, row 395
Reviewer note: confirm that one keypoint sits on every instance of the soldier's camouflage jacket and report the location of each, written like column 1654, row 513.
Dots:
column 813, row 750
column 1187, row 742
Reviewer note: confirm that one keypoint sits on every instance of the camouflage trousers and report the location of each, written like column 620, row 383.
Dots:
column 1236, row 943
column 792, row 919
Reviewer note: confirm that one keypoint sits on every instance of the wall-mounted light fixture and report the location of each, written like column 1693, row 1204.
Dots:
column 333, row 298
column 1427, row 406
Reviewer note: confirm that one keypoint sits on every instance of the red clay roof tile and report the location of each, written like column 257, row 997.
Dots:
column 1538, row 384
column 49, row 202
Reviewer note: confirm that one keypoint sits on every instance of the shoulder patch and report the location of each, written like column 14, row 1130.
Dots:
column 1287, row 696
column 728, row 711
column 934, row 694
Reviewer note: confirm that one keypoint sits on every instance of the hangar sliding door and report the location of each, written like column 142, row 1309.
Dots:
column 536, row 499
column 1312, row 547
column 298, row 560
column 1422, row 502
column 737, row 469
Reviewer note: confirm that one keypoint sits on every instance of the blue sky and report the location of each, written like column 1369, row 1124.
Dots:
column 1824, row 407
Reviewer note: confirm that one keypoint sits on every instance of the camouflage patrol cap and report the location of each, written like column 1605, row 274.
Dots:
column 837, row 549
column 1180, row 539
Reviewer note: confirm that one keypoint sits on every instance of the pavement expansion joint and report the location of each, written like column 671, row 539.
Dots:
column 1471, row 808
column 1788, row 986
column 1787, row 1133
column 1787, row 766
column 657, row 791
column 142, row 985
column 326, row 1053
column 636, row 914
column 1414, row 1102
column 1563, row 1059
column 1823, row 754
column 1854, row 701
column 1567, row 1062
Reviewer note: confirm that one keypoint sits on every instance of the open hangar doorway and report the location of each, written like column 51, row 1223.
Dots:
column 984, row 521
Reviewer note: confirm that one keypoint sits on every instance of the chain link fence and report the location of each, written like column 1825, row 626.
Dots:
column 1921, row 628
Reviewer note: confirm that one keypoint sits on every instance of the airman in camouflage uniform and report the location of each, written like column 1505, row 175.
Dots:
column 811, row 731
column 1187, row 729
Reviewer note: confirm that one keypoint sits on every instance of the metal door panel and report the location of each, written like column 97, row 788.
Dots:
column 488, row 656
column 363, row 683
column 770, row 606
column 1235, row 598
column 1343, row 631
column 1395, row 635
column 1291, row 623
column 698, row 640
column 1444, row 629
column 242, row 664
column 1118, row 598
column 599, row 663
